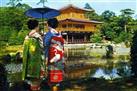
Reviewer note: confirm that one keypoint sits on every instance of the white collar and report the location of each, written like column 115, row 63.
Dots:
column 53, row 30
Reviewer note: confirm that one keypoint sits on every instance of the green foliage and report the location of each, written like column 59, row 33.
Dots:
column 4, row 33
column 96, row 38
column 87, row 6
column 132, row 25
column 91, row 14
column 108, row 31
column 115, row 31
column 43, row 2
column 107, row 15
column 118, row 28
column 13, row 3
column 17, row 37
column 23, row 6
column 12, row 17
column 127, row 12
column 13, row 38
column 114, row 28
column 12, row 21
column 124, row 36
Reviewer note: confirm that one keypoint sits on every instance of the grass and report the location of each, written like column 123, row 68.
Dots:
column 14, row 48
column 96, row 55
column 11, row 50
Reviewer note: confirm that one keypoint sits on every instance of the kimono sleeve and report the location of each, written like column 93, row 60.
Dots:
column 25, row 57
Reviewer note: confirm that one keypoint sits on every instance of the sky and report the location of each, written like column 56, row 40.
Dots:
column 98, row 5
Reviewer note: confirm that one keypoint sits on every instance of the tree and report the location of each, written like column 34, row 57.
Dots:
column 127, row 12
column 123, row 37
column 108, row 31
column 96, row 38
column 91, row 14
column 118, row 28
column 132, row 25
column 23, row 6
column 87, row 6
column 43, row 2
column 13, row 3
column 126, row 17
column 12, row 21
column 107, row 15
column 15, row 19
column 5, row 33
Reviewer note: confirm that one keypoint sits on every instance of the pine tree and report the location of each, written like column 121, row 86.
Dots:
column 43, row 2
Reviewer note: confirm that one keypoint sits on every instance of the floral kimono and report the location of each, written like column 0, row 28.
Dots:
column 32, row 56
column 47, row 37
column 56, row 62
column 56, row 54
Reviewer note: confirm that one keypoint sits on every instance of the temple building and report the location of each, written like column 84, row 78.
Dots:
column 74, row 26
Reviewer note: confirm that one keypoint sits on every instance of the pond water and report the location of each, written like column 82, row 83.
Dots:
column 101, row 73
column 13, row 68
column 83, row 66
column 107, row 70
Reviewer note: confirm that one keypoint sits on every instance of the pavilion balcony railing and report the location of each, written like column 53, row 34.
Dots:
column 76, row 29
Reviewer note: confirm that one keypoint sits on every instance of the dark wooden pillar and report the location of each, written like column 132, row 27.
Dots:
column 85, row 38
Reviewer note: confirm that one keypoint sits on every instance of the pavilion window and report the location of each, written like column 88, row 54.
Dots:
column 95, row 26
column 64, row 26
column 81, row 15
column 70, row 25
column 79, row 26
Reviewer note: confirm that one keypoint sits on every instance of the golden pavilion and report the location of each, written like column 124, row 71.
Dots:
column 74, row 26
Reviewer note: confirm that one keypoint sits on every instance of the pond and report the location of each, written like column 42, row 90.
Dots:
column 81, row 65
column 106, row 69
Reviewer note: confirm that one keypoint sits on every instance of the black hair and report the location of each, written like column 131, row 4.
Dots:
column 53, row 23
column 32, row 24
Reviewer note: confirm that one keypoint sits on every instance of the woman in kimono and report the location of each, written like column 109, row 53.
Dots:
column 52, row 25
column 54, row 52
column 32, row 56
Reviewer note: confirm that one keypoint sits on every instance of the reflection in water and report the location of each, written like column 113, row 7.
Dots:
column 107, row 68
column 124, row 69
column 13, row 68
column 80, row 65
column 86, row 71
column 83, row 73
column 100, row 73
column 106, row 72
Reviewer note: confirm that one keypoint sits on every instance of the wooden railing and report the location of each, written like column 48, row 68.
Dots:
column 76, row 29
